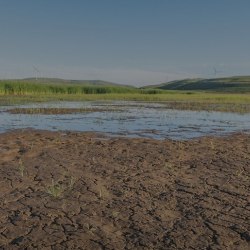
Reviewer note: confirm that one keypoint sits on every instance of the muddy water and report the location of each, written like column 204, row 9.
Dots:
column 133, row 119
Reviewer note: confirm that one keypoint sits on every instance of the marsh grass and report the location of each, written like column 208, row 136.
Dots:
column 20, row 92
column 24, row 88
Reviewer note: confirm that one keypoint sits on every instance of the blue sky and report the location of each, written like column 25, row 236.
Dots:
column 126, row 41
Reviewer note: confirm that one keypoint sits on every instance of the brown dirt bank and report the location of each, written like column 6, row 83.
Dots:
column 53, row 111
column 123, row 193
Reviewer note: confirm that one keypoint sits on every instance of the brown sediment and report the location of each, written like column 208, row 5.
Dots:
column 54, row 111
column 87, row 191
column 203, row 106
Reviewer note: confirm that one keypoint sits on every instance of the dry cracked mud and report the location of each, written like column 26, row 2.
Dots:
column 87, row 191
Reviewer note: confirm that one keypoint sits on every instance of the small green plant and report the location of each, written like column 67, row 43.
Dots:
column 115, row 214
column 55, row 189
column 21, row 167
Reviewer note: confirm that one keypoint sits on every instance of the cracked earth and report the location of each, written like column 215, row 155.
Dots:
column 87, row 191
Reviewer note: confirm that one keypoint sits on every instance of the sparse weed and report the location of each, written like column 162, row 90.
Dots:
column 181, row 145
column 32, row 145
column 72, row 182
column 103, row 192
column 55, row 189
column 21, row 167
column 212, row 145
column 240, row 171
column 168, row 165
column 100, row 193
column 115, row 214
column 90, row 228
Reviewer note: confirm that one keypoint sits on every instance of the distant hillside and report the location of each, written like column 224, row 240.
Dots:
column 228, row 84
column 63, row 81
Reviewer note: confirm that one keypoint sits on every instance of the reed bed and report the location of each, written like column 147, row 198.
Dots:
column 12, row 92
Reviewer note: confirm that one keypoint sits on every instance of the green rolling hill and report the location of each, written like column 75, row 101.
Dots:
column 64, row 81
column 227, row 84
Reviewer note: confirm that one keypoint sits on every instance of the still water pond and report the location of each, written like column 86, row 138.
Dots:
column 133, row 119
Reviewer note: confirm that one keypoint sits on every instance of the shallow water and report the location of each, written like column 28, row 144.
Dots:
column 133, row 119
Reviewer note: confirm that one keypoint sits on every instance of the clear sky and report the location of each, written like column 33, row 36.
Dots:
column 126, row 41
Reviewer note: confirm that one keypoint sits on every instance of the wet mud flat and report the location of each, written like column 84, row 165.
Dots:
column 78, row 190
column 53, row 111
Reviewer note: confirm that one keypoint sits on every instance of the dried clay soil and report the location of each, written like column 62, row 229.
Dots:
column 87, row 191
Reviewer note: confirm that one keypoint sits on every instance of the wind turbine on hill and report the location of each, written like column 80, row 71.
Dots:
column 166, row 78
column 216, row 71
column 36, row 71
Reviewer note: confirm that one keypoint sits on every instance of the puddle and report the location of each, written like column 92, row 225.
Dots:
column 132, row 119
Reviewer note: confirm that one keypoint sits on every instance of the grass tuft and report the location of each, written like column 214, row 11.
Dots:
column 21, row 167
column 55, row 189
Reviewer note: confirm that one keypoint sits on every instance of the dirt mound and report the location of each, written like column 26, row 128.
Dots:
column 86, row 191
